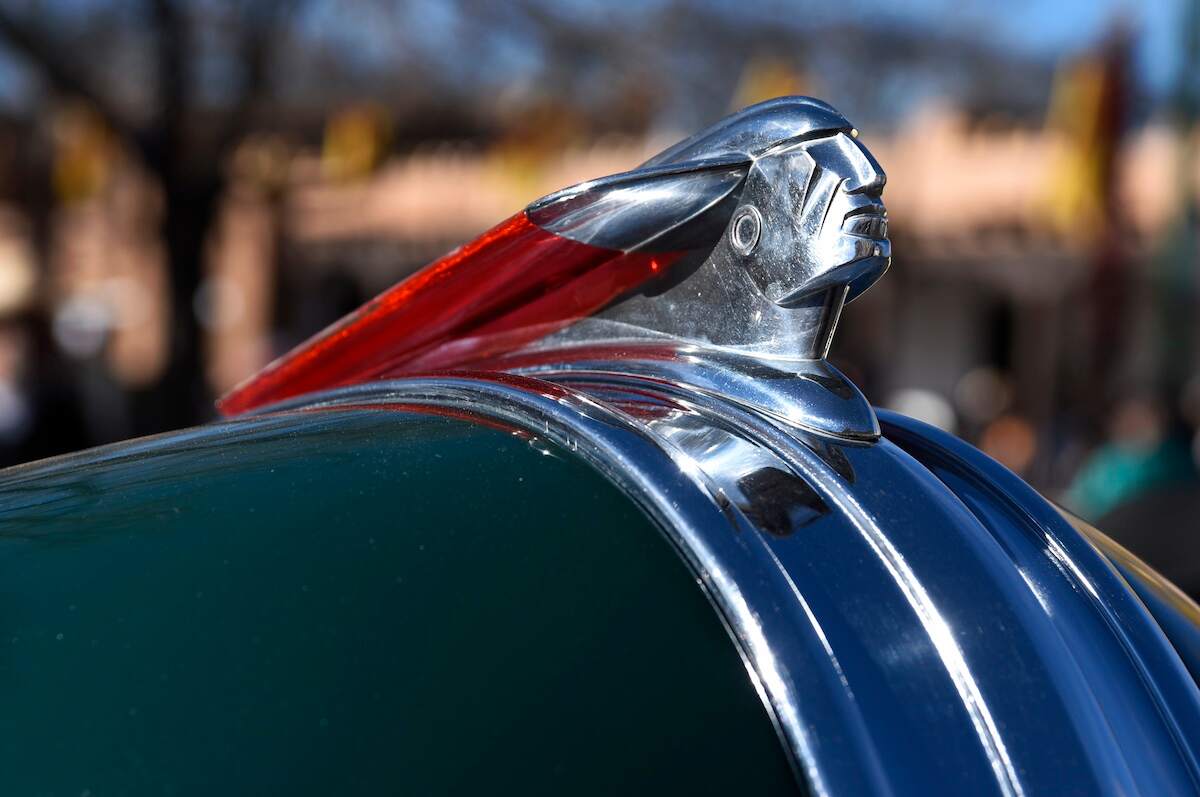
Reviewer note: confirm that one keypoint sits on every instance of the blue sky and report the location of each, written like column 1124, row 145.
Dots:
column 1058, row 27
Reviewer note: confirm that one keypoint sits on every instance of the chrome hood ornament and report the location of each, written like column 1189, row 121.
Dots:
column 784, row 196
column 722, row 264
column 779, row 211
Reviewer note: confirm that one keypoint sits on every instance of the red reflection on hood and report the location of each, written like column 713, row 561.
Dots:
column 513, row 285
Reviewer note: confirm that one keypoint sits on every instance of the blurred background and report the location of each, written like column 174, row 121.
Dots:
column 190, row 187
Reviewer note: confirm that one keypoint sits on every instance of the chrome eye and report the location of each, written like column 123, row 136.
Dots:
column 745, row 230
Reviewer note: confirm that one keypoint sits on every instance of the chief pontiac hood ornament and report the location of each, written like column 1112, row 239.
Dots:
column 724, row 260
column 780, row 206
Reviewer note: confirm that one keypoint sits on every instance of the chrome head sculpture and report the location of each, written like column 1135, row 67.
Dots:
column 778, row 212
column 811, row 218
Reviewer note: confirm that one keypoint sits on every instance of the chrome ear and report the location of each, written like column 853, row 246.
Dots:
column 745, row 229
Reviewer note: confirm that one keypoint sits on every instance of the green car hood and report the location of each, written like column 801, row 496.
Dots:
column 357, row 601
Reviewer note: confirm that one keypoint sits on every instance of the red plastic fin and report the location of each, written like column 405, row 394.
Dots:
column 511, row 286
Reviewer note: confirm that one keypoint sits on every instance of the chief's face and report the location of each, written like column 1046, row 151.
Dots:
column 823, row 220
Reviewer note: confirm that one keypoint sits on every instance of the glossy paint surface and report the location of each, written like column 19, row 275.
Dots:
column 1128, row 701
column 357, row 602
column 1176, row 614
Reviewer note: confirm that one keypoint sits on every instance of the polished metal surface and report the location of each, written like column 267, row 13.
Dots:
column 916, row 618
column 811, row 395
column 777, row 217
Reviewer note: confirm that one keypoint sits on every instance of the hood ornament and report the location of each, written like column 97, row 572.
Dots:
column 721, row 264
column 778, row 210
